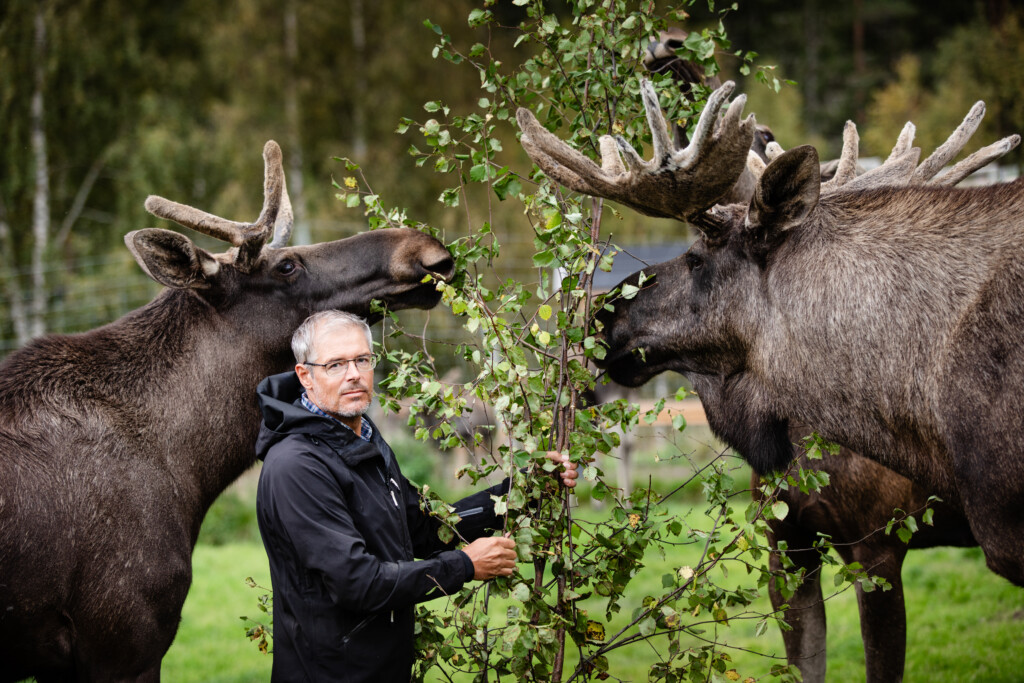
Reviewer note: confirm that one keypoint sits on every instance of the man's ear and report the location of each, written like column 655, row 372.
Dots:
column 786, row 193
column 172, row 259
column 305, row 377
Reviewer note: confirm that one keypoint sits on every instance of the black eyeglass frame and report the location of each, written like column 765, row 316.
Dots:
column 343, row 363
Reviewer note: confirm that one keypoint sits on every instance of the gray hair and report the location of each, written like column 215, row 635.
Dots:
column 303, row 338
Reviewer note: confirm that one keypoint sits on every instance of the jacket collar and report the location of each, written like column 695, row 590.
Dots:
column 280, row 401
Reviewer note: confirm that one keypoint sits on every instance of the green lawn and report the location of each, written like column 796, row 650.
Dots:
column 965, row 623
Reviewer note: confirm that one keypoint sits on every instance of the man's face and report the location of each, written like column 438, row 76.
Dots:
column 346, row 395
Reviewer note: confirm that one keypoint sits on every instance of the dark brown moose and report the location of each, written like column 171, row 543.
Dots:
column 876, row 309
column 862, row 497
column 115, row 442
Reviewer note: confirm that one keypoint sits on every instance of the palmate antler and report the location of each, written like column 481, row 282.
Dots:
column 276, row 217
column 675, row 183
column 901, row 169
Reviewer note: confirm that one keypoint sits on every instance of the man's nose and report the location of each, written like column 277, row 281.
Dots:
column 351, row 370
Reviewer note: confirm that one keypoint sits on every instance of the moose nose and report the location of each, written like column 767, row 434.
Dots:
column 440, row 264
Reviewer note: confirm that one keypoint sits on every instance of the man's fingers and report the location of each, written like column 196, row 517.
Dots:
column 569, row 469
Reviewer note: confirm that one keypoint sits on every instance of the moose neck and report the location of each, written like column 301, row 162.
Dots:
column 195, row 380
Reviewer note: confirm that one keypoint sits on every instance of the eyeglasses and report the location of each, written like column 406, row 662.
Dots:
column 340, row 366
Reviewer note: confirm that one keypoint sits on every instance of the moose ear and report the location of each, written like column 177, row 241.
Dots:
column 786, row 192
column 171, row 258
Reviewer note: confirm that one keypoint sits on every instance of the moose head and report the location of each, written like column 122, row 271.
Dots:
column 260, row 269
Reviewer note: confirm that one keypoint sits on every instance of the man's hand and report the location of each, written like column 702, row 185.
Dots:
column 568, row 473
column 492, row 556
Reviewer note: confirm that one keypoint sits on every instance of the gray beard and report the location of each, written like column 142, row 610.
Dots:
column 351, row 413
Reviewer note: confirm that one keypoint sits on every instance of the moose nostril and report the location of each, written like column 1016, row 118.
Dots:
column 443, row 266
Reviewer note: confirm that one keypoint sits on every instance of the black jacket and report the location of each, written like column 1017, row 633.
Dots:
column 341, row 527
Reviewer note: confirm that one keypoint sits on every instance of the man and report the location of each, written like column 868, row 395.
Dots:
column 342, row 526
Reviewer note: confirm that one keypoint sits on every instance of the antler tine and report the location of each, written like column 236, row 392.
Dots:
column 903, row 142
column 982, row 157
column 200, row 221
column 773, row 151
column 847, row 169
column 248, row 237
column 273, row 189
column 559, row 161
column 675, row 183
column 611, row 162
column 708, row 117
column 952, row 146
column 663, row 147
column 285, row 218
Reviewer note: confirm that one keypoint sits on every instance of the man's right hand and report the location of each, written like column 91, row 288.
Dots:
column 492, row 556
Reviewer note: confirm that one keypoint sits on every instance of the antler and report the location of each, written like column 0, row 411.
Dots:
column 675, row 183
column 275, row 217
column 901, row 167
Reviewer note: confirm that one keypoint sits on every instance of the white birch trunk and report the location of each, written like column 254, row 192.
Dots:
column 358, row 102
column 41, row 200
column 301, row 233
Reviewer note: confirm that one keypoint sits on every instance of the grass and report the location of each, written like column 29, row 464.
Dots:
column 965, row 623
column 211, row 646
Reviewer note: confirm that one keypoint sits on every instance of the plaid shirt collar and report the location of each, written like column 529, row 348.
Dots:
column 365, row 430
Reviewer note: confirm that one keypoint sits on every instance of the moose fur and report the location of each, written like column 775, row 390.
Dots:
column 115, row 442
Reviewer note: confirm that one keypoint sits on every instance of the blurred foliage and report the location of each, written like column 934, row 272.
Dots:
column 975, row 62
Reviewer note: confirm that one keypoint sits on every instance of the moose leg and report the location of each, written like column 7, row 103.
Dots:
column 805, row 642
column 883, row 617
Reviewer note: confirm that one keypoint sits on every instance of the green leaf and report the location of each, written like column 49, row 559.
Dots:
column 544, row 259
column 478, row 173
column 629, row 291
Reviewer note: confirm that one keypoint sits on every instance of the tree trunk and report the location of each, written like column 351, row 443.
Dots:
column 11, row 284
column 41, row 201
column 812, row 46
column 359, row 101
column 859, row 61
column 302, row 233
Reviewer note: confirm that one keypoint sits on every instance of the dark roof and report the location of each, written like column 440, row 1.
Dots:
column 630, row 259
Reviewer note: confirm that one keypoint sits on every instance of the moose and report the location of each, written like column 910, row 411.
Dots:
column 862, row 496
column 879, row 311
column 116, row 441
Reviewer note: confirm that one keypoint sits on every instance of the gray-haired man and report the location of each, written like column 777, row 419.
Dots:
column 342, row 526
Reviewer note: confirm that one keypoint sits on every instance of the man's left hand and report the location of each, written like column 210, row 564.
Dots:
column 568, row 474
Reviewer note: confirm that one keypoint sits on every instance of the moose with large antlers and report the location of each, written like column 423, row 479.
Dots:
column 855, row 509
column 882, row 311
column 115, row 442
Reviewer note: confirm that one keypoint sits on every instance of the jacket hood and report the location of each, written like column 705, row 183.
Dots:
column 279, row 401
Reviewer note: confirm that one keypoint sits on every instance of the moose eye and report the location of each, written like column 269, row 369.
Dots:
column 693, row 262
column 286, row 267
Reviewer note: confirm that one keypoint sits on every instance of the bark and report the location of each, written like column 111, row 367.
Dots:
column 41, row 200
column 11, row 284
column 301, row 234
column 358, row 18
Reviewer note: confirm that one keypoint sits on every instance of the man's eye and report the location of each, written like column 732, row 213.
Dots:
column 333, row 367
